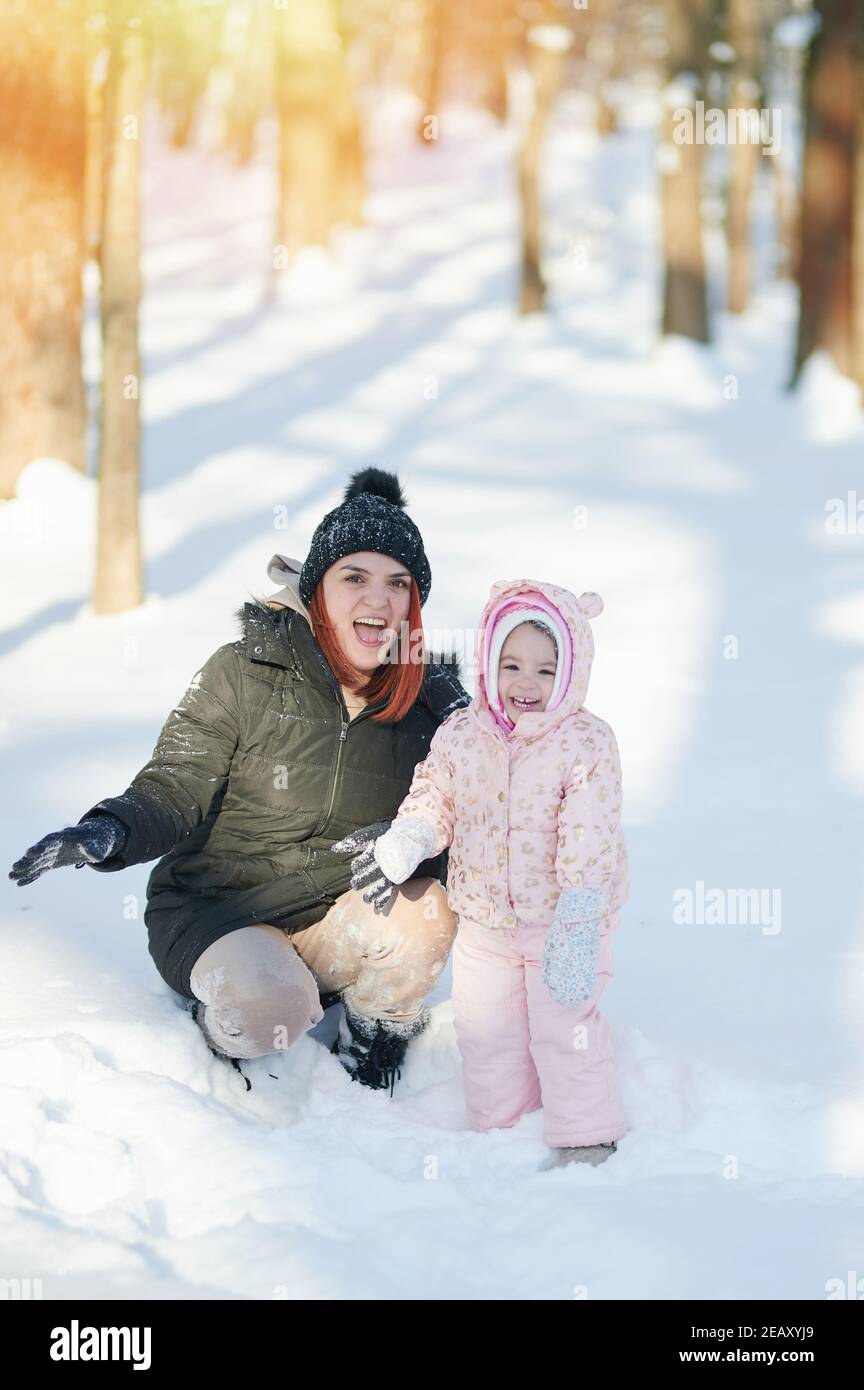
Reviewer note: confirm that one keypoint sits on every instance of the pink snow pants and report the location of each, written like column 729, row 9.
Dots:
column 521, row 1050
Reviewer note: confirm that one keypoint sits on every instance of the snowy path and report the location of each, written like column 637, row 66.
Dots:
column 134, row 1164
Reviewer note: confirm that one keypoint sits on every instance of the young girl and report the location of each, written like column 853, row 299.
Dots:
column 524, row 787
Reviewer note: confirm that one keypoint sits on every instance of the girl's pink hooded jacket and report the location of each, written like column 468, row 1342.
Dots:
column 529, row 813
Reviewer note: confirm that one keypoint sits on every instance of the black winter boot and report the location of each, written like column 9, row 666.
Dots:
column 328, row 1000
column 223, row 1056
column 372, row 1049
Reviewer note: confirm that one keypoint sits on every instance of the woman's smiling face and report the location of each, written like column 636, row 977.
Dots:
column 367, row 597
column 526, row 671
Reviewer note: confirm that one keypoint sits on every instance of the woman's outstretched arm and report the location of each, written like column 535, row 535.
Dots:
column 173, row 792
column 171, row 795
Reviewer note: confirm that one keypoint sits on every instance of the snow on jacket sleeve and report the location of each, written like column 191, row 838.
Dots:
column 173, row 792
column 591, row 848
column 430, row 795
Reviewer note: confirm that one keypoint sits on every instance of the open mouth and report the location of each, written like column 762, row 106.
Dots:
column 524, row 704
column 370, row 631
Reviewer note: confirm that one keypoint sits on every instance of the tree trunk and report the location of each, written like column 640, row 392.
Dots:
column 858, row 220
column 118, row 582
column 188, row 38
column 351, row 166
column 547, row 48
column 497, row 37
column 97, row 57
column 42, row 153
column 604, row 50
column 320, row 153
column 433, row 47
column 786, row 90
column 825, row 262
column 252, row 83
column 685, row 292
column 744, row 155
column 786, row 216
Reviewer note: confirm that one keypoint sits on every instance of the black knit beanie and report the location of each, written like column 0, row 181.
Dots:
column 371, row 516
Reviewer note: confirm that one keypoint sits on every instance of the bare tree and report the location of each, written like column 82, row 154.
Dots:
column 825, row 261
column 745, row 101
column 320, row 150
column 857, row 221
column 187, row 39
column 784, row 74
column 118, row 582
column 685, row 294
column 251, row 79
column 499, row 30
column 42, row 152
column 548, row 44
column 604, row 51
column 97, row 66
column 858, row 216
column 431, row 67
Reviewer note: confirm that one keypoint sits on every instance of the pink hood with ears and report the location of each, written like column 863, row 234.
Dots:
column 572, row 615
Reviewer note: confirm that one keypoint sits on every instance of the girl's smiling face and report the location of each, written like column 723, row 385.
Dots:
column 367, row 597
column 526, row 671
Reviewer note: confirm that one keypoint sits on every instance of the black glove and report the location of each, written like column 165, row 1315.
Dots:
column 366, row 873
column 90, row 842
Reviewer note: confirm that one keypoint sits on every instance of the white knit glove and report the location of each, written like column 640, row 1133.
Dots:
column 384, row 863
column 405, row 845
column 572, row 946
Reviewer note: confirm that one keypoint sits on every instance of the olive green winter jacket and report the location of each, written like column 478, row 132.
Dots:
column 255, row 774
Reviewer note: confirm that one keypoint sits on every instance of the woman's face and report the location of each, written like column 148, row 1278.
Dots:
column 526, row 671
column 371, row 587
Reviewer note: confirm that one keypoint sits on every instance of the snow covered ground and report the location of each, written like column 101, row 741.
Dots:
column 690, row 490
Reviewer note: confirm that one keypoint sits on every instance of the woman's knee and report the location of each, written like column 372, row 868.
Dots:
column 413, row 937
column 417, row 920
column 420, row 906
column 406, row 951
column 259, row 997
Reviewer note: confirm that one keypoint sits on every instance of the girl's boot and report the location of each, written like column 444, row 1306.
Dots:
column 586, row 1153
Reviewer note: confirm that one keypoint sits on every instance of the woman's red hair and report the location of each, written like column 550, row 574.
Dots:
column 399, row 680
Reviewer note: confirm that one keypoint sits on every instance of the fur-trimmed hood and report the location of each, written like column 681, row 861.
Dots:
column 285, row 571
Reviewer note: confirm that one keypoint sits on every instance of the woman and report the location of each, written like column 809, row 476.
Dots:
column 284, row 742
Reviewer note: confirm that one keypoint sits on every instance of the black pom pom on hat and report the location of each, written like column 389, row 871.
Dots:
column 379, row 483
column 371, row 516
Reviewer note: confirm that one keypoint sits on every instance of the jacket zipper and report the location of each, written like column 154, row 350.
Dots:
column 343, row 734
